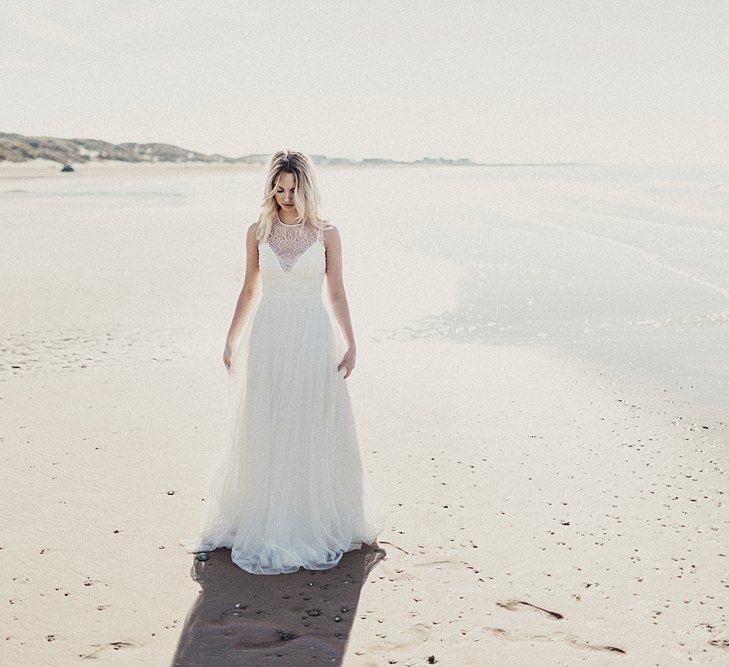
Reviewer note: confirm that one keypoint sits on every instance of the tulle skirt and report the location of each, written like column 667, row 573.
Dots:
column 288, row 489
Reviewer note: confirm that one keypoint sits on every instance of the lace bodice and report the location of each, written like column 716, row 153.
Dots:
column 292, row 261
column 290, row 241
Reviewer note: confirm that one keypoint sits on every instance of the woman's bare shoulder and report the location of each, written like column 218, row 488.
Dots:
column 331, row 237
column 252, row 231
column 331, row 233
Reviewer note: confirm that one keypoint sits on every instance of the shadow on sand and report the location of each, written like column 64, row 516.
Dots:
column 301, row 618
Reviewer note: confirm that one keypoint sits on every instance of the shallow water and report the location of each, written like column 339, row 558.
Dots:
column 625, row 267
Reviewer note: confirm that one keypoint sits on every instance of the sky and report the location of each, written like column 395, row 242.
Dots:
column 633, row 82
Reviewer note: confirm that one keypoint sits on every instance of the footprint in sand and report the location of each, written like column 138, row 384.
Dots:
column 418, row 632
column 557, row 636
column 413, row 636
column 104, row 647
column 581, row 643
column 451, row 564
column 397, row 574
column 516, row 605
column 515, row 635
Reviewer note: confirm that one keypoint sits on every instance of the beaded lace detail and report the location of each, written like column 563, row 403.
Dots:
column 290, row 241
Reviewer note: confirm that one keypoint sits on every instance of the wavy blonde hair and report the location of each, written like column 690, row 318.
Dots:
column 307, row 198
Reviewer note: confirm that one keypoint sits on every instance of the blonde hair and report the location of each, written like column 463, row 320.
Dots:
column 306, row 192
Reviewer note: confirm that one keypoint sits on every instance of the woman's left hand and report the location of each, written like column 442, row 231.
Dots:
column 348, row 361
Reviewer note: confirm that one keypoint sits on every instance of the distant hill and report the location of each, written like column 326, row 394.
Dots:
column 20, row 148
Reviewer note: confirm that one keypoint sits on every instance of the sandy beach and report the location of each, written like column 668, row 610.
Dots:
column 540, row 392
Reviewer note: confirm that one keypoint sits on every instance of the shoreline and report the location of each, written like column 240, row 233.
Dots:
column 41, row 167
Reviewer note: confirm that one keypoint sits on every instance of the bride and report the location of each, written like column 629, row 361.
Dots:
column 288, row 490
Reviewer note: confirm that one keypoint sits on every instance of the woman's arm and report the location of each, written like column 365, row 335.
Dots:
column 338, row 297
column 247, row 294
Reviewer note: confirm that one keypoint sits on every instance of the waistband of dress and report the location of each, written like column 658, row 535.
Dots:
column 272, row 297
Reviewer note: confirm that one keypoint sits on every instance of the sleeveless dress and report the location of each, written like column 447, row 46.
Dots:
column 288, row 491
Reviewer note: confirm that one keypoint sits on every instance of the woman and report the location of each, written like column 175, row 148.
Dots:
column 288, row 491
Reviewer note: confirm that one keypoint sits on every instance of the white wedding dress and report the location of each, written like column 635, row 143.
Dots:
column 288, row 490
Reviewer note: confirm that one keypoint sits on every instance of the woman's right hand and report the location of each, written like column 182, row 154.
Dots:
column 227, row 353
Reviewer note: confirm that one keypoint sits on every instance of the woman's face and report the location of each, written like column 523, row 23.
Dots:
column 284, row 193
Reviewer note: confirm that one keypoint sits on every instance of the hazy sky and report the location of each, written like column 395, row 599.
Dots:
column 608, row 82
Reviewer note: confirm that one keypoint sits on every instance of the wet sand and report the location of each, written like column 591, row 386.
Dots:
column 542, row 508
